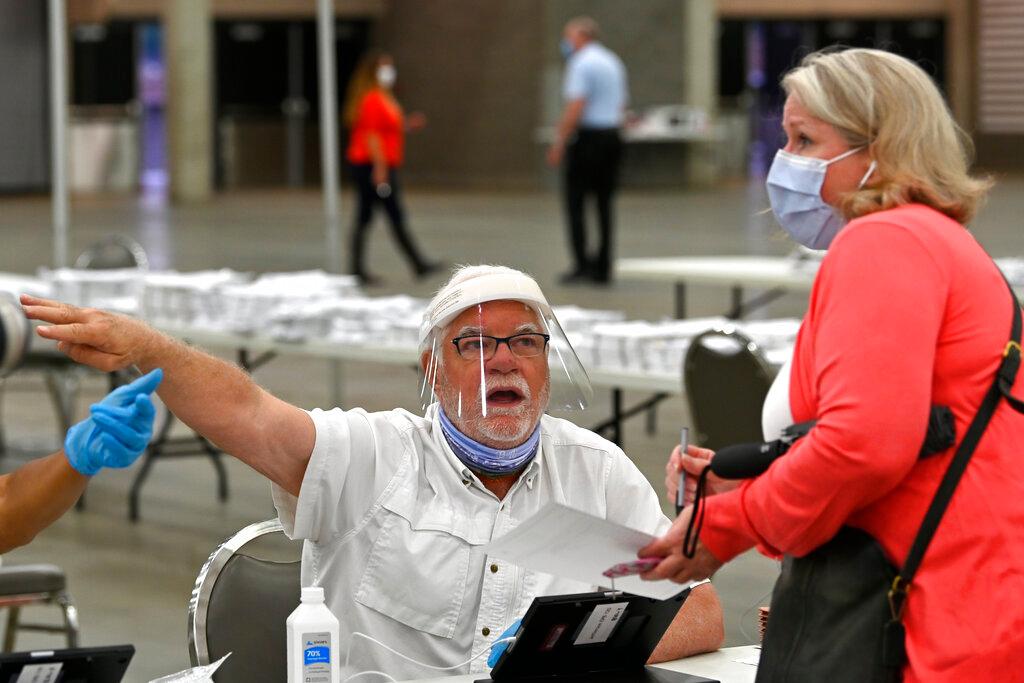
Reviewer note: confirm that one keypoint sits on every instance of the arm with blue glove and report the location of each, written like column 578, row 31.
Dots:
column 114, row 435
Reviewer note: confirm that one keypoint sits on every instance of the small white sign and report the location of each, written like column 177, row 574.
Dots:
column 600, row 624
column 40, row 673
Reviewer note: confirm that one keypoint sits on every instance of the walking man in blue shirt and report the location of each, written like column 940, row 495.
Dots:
column 588, row 141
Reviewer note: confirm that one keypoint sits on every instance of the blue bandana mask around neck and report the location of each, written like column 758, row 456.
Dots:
column 491, row 461
column 794, row 192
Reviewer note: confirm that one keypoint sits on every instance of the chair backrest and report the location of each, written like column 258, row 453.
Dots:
column 726, row 378
column 113, row 251
column 240, row 603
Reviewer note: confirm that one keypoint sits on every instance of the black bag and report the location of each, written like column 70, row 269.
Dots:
column 828, row 612
column 836, row 613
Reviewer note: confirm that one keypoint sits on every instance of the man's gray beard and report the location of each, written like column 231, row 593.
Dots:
column 471, row 421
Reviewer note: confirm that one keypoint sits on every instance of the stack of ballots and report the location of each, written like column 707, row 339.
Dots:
column 658, row 348
column 172, row 299
column 289, row 306
column 115, row 289
column 356, row 320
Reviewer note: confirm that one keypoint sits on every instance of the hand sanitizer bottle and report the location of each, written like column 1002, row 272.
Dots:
column 313, row 640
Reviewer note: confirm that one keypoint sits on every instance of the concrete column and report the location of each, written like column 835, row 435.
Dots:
column 700, row 83
column 189, row 58
column 961, row 56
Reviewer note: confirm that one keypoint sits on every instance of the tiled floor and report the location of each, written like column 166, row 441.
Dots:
column 132, row 581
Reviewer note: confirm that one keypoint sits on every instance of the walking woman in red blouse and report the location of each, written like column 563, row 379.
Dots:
column 376, row 147
column 907, row 312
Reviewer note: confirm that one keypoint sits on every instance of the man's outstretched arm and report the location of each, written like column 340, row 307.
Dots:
column 211, row 396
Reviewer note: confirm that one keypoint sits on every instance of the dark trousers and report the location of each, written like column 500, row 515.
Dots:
column 592, row 168
column 368, row 198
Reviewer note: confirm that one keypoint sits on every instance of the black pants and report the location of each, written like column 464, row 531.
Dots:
column 592, row 168
column 362, row 174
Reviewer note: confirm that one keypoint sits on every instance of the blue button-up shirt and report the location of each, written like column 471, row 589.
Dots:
column 595, row 74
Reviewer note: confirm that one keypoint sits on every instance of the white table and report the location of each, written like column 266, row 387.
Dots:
column 780, row 273
column 720, row 665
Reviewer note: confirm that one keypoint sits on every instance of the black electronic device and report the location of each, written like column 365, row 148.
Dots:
column 597, row 637
column 75, row 665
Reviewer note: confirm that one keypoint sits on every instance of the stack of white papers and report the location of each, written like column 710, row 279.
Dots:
column 575, row 545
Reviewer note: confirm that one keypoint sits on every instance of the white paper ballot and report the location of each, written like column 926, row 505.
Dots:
column 575, row 545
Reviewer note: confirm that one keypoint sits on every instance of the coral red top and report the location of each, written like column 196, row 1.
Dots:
column 380, row 114
column 907, row 311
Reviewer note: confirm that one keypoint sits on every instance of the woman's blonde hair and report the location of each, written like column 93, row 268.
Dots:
column 364, row 79
column 889, row 104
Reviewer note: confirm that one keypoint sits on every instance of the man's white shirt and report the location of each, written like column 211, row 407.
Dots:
column 394, row 523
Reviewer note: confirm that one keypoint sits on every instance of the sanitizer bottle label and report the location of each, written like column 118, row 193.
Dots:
column 316, row 657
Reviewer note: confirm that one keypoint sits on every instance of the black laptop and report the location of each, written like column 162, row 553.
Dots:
column 603, row 637
column 77, row 665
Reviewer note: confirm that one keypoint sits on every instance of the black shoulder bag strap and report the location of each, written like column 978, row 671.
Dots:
column 894, row 652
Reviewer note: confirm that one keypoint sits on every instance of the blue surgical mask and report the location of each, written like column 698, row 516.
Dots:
column 566, row 48
column 794, row 191
column 481, row 458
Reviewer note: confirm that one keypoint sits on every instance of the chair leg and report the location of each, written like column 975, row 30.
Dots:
column 12, row 628
column 70, row 618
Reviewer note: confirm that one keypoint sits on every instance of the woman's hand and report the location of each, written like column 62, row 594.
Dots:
column 675, row 566
column 416, row 120
column 380, row 174
column 693, row 462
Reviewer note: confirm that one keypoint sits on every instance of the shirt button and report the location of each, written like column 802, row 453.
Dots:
column 486, row 631
column 494, row 569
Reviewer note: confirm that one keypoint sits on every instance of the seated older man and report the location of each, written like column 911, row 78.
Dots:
column 395, row 507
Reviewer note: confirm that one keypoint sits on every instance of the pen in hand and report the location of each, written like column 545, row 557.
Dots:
column 684, row 438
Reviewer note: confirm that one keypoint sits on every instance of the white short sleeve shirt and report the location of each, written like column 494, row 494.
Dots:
column 394, row 523
column 596, row 75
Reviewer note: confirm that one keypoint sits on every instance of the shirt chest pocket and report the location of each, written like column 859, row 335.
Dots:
column 417, row 569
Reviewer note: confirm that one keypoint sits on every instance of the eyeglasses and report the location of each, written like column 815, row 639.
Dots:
column 525, row 345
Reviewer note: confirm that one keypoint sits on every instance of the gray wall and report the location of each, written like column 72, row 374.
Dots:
column 472, row 67
column 24, row 116
column 488, row 74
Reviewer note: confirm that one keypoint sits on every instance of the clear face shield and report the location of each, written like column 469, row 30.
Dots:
column 497, row 366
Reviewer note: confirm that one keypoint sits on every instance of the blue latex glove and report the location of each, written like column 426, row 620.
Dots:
column 117, row 430
column 498, row 650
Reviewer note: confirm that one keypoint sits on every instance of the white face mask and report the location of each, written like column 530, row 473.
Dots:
column 386, row 75
column 794, row 191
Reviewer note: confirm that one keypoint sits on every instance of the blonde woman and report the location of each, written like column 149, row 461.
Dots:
column 907, row 312
column 376, row 149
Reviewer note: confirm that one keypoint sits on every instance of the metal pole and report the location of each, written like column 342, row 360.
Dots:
column 296, row 108
column 58, row 131
column 329, row 131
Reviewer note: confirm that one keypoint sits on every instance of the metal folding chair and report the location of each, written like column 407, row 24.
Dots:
column 241, row 600
column 36, row 584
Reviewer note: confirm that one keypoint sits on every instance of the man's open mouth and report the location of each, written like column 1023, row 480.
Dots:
column 504, row 397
